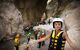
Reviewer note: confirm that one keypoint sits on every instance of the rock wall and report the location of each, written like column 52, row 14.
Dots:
column 71, row 16
column 55, row 7
column 10, row 17
column 16, row 13
column 32, row 10
column 10, row 22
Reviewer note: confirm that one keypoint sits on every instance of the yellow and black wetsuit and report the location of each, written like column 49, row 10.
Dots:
column 17, row 41
column 57, row 42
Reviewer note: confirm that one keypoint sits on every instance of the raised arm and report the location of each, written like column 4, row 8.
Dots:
column 72, row 45
column 45, row 38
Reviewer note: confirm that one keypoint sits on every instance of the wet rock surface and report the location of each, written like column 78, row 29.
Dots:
column 10, row 22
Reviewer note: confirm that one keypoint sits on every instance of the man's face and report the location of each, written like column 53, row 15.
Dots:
column 57, row 25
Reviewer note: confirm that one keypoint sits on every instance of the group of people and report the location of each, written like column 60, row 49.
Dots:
column 37, row 34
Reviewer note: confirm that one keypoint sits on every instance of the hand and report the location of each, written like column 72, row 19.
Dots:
column 33, row 43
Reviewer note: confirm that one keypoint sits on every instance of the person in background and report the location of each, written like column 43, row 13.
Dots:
column 36, row 33
column 42, row 36
column 31, row 44
column 39, row 37
column 17, row 40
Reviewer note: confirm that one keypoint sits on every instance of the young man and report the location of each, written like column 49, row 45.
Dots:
column 58, row 37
